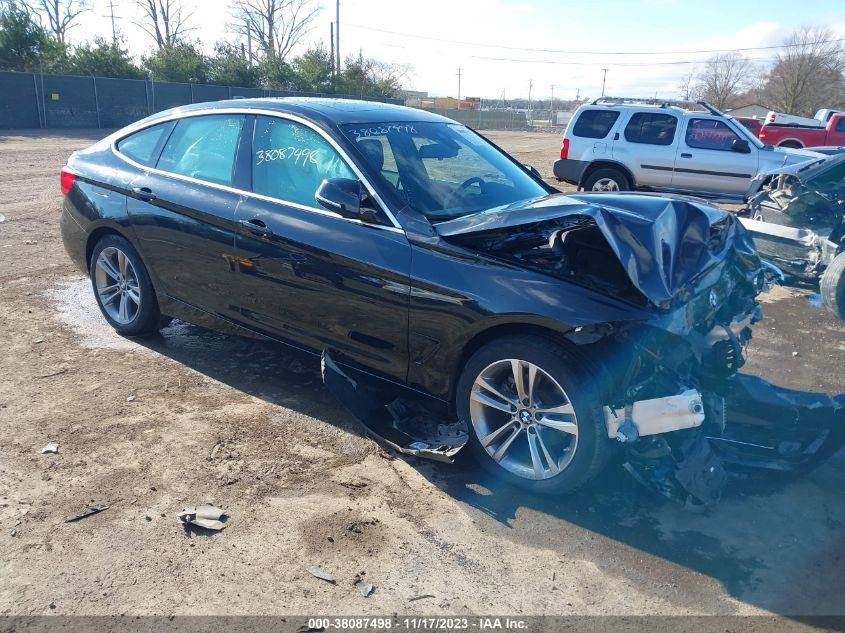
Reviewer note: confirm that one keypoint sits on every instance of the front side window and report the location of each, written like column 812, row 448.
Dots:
column 840, row 125
column 594, row 123
column 442, row 170
column 142, row 145
column 290, row 160
column 651, row 128
column 203, row 147
column 710, row 134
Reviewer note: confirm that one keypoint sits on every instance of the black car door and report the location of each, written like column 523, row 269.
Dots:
column 309, row 276
column 183, row 210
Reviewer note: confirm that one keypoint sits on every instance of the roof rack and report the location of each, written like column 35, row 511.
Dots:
column 661, row 103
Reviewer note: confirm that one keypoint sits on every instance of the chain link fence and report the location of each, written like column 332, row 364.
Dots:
column 34, row 100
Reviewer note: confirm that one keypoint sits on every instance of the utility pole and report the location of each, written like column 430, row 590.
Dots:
column 337, row 36
column 331, row 46
column 552, row 107
column 113, row 27
column 530, row 85
column 459, row 87
column 603, row 80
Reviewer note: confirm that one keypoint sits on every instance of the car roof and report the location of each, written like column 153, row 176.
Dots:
column 321, row 110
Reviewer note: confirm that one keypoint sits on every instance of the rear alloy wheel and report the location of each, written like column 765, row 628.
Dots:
column 530, row 419
column 607, row 180
column 123, row 288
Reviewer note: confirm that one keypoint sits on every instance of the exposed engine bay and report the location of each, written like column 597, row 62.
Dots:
column 668, row 386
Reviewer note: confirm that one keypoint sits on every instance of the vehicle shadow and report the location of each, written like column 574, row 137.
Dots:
column 772, row 542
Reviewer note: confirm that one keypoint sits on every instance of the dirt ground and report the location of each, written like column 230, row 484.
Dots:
column 152, row 426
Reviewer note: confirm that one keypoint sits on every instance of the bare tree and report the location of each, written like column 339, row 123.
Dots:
column 276, row 26
column 808, row 73
column 59, row 14
column 724, row 78
column 687, row 87
column 165, row 21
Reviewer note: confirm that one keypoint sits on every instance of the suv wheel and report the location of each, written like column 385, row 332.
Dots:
column 530, row 414
column 123, row 288
column 607, row 179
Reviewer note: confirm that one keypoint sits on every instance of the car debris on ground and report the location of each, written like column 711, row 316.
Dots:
column 205, row 516
column 322, row 574
column 87, row 512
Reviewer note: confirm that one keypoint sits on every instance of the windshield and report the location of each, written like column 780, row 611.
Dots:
column 443, row 170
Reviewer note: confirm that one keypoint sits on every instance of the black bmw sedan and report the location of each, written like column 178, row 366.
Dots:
column 409, row 250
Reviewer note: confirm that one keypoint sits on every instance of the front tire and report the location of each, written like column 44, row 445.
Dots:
column 608, row 180
column 123, row 288
column 832, row 286
column 532, row 417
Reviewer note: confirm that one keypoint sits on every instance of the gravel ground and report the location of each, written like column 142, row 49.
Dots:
column 151, row 426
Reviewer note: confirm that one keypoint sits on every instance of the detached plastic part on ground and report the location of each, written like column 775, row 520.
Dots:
column 755, row 425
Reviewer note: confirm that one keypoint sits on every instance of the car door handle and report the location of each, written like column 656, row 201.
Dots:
column 686, row 155
column 256, row 227
column 144, row 193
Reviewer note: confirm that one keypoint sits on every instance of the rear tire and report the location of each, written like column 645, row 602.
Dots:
column 791, row 145
column 832, row 286
column 567, row 458
column 607, row 179
column 123, row 288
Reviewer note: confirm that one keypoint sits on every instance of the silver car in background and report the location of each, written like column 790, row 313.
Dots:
column 621, row 146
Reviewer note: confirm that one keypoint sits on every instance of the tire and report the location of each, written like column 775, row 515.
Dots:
column 576, row 462
column 113, row 289
column 832, row 286
column 615, row 179
column 791, row 145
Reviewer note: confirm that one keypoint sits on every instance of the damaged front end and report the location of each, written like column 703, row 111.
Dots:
column 667, row 385
column 796, row 216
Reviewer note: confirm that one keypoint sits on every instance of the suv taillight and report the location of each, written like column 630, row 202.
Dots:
column 564, row 148
column 66, row 179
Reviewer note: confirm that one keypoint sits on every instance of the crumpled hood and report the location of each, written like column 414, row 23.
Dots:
column 664, row 243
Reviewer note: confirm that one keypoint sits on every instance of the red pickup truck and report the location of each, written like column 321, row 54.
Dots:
column 797, row 132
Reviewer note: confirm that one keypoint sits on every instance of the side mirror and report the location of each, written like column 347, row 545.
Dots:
column 534, row 171
column 741, row 145
column 344, row 196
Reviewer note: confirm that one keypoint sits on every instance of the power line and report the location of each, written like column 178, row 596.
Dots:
column 615, row 64
column 571, row 52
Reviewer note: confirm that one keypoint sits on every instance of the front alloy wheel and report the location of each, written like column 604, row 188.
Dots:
column 524, row 419
column 533, row 413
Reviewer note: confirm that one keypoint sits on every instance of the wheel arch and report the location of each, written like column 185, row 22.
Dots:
column 607, row 164
column 96, row 235
column 791, row 143
column 494, row 331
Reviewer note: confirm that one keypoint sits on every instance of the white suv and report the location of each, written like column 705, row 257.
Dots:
column 621, row 146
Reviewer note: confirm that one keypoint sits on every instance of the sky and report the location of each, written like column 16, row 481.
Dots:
column 496, row 56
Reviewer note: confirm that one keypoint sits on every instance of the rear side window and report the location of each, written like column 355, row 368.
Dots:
column 651, row 128
column 710, row 134
column 290, row 160
column 840, row 125
column 203, row 147
column 141, row 146
column 595, row 123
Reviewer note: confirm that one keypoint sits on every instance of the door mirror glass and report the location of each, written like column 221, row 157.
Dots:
column 344, row 196
column 741, row 145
